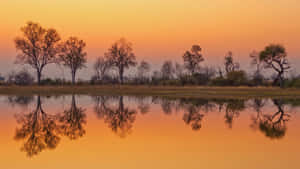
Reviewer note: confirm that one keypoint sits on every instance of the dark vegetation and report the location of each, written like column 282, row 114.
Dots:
column 39, row 47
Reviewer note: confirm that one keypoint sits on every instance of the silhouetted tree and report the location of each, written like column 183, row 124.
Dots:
column 73, row 55
column 121, row 56
column 101, row 67
column 274, row 56
column 193, row 58
column 38, row 129
column 143, row 70
column 73, row 121
column 167, row 70
column 230, row 65
column 179, row 70
column 38, row 47
column 257, row 63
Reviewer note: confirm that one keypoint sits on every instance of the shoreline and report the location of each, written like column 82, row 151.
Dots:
column 163, row 91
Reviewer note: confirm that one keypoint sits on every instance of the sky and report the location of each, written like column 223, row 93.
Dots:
column 159, row 29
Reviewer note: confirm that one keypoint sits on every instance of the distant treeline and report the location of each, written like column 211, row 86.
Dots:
column 39, row 47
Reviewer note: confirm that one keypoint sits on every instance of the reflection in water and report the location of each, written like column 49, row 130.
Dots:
column 72, row 121
column 233, row 109
column 119, row 118
column 272, row 125
column 22, row 101
column 40, row 130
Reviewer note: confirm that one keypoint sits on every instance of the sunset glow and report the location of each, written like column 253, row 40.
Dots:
column 159, row 29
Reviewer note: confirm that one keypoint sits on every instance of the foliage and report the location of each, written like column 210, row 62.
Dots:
column 274, row 56
column 121, row 56
column 193, row 58
column 38, row 47
column 73, row 56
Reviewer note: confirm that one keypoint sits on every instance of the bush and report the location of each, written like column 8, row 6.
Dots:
column 295, row 82
column 22, row 77
column 219, row 81
column 237, row 78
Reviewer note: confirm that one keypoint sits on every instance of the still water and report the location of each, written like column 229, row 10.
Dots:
column 114, row 132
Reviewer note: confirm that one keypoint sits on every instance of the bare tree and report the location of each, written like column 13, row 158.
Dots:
column 179, row 70
column 193, row 58
column 167, row 70
column 102, row 67
column 143, row 70
column 230, row 65
column 274, row 56
column 73, row 55
column 121, row 56
column 257, row 63
column 38, row 47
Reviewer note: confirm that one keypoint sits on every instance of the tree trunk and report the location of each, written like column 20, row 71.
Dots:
column 73, row 77
column 279, row 80
column 39, row 74
column 121, row 71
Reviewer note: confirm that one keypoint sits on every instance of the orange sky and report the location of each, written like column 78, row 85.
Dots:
column 159, row 29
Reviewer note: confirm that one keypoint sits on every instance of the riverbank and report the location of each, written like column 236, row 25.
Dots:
column 165, row 91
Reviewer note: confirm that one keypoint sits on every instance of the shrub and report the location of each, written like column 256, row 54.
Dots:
column 237, row 78
column 22, row 77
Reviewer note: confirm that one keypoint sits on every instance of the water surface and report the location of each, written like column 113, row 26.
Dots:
column 148, row 132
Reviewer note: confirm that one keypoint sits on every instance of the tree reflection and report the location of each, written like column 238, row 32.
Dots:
column 193, row 116
column 22, row 101
column 192, row 109
column 72, row 121
column 166, row 106
column 38, row 129
column 273, row 125
column 120, row 118
column 143, row 105
column 232, row 110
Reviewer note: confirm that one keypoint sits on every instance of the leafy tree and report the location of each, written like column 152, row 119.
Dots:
column 230, row 65
column 38, row 47
column 73, row 55
column 193, row 58
column 274, row 56
column 121, row 56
